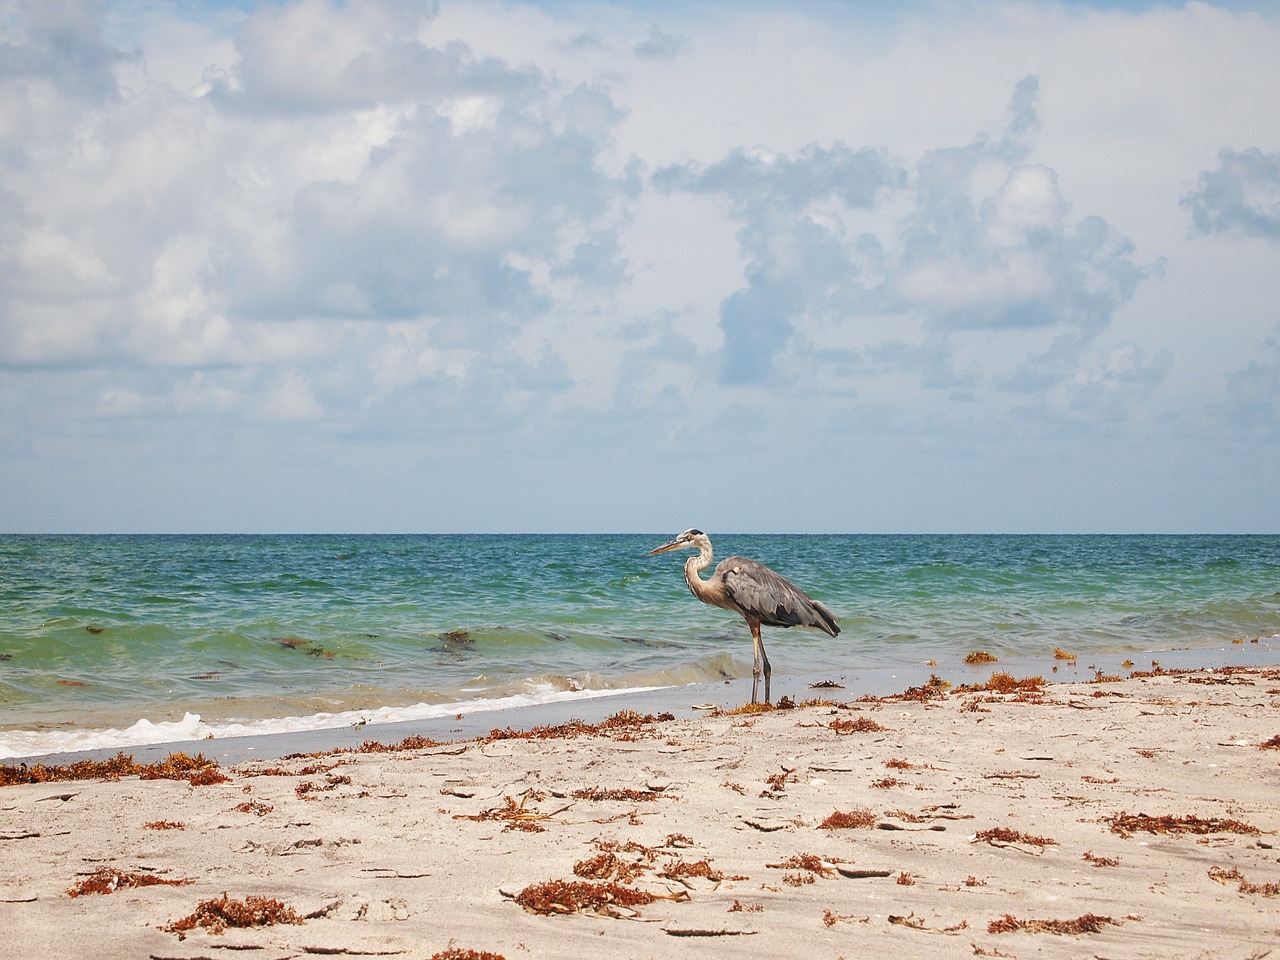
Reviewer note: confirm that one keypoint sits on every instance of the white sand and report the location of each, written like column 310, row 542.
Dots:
column 381, row 858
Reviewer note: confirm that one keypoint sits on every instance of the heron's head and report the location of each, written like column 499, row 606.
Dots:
column 691, row 539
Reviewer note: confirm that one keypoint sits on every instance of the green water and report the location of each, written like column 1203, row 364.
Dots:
column 103, row 630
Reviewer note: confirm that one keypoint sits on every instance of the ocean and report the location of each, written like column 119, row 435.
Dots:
column 120, row 640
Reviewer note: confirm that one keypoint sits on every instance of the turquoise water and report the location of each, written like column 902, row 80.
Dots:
column 102, row 631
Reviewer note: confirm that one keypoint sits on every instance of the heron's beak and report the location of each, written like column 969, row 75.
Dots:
column 675, row 544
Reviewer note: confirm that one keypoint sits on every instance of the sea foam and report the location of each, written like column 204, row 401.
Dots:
column 191, row 728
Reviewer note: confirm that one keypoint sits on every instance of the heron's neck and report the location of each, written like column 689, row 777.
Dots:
column 694, row 566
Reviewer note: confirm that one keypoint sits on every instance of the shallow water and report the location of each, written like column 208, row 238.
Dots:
column 246, row 632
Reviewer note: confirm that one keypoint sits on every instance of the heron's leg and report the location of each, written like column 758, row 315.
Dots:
column 760, row 664
column 767, row 670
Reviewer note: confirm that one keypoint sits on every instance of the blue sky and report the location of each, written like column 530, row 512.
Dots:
column 463, row 266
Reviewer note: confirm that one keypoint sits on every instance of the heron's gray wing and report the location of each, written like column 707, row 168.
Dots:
column 774, row 600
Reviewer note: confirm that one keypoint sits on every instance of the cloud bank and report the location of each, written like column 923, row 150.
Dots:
column 461, row 266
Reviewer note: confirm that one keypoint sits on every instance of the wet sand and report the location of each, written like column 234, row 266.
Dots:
column 1124, row 818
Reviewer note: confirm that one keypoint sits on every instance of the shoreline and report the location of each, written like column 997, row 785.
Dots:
column 459, row 723
column 1133, row 817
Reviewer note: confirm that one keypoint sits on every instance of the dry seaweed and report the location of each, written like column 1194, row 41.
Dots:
column 218, row 914
column 198, row 770
column 830, row 918
column 1089, row 923
column 935, row 689
column 1090, row 857
column 804, row 861
column 1272, row 744
column 585, row 896
column 609, row 866
column 778, row 783
column 1265, row 889
column 915, row 923
column 109, row 880
column 981, row 656
column 850, row 820
column 745, row 710
column 622, row 725
column 858, row 725
column 626, row 794
column 458, row 953
column 1006, row 836
column 1003, row 682
column 408, row 743
column 1127, row 824
column 164, row 825
column 514, row 815
column 677, row 869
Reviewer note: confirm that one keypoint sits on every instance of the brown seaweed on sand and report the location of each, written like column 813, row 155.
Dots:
column 1088, row 923
column 584, row 896
column 624, row 725
column 859, row 725
column 222, row 912
column 778, row 783
column 850, row 820
column 625, row 794
column 677, row 869
column 1127, row 824
column 1004, row 682
column 515, row 815
column 804, row 861
column 1265, row 889
column 109, row 880
column 458, row 953
column 609, row 866
column 198, row 770
column 1008, row 837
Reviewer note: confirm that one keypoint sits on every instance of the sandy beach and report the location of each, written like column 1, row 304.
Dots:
column 1121, row 818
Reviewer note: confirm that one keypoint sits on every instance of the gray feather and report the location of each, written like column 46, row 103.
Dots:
column 758, row 592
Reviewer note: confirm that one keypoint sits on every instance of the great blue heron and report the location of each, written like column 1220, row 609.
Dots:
column 753, row 590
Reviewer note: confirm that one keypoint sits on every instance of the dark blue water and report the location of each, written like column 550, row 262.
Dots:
column 101, row 631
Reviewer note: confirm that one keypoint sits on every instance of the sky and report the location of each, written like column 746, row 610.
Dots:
column 400, row 266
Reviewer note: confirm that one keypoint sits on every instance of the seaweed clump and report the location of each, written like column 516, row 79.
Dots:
column 106, row 880
column 627, row 794
column 1127, row 824
column 850, row 820
column 860, row 725
column 1003, row 836
column 1089, row 923
column 584, row 896
column 199, row 771
column 1003, row 682
column 623, row 725
column 1222, row 876
column 222, row 912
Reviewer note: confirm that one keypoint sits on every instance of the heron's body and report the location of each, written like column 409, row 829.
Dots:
column 747, row 587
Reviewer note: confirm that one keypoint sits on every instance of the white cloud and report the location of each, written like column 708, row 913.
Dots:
column 595, row 239
column 1242, row 196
